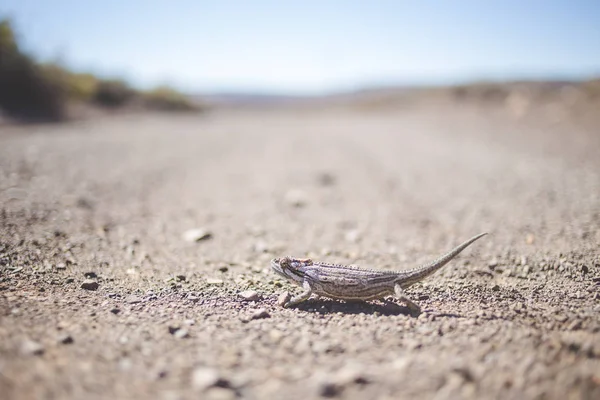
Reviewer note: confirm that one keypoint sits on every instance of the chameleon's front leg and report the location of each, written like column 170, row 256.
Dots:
column 301, row 297
column 402, row 297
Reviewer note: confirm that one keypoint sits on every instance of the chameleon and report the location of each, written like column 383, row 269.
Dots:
column 353, row 283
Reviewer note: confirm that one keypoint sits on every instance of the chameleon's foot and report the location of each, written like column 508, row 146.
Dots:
column 412, row 306
column 284, row 299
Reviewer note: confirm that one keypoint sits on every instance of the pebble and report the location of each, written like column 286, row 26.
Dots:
column 214, row 281
column 561, row 318
column 329, row 389
column 352, row 236
column 90, row 284
column 204, row 378
column 115, row 311
column 29, row 347
column 283, row 298
column 181, row 334
column 574, row 325
column 196, row 235
column 260, row 314
column 90, row 275
column 133, row 299
column 66, row 339
column 493, row 262
column 61, row 267
column 529, row 239
column 249, row 295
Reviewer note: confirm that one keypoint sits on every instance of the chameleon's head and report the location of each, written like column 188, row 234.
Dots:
column 291, row 268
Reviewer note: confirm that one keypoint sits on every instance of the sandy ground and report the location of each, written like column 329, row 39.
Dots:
column 101, row 296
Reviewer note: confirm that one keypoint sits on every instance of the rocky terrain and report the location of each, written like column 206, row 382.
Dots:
column 134, row 254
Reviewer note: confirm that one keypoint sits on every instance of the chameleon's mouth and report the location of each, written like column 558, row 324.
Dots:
column 276, row 266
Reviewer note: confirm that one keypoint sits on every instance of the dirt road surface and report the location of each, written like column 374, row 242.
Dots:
column 106, row 294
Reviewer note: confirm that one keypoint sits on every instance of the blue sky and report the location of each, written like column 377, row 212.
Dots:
column 313, row 46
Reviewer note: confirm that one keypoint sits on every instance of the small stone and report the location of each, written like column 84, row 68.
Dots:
column 204, row 378
column 574, row 325
column 214, row 281
column 493, row 263
column 173, row 329
column 284, row 298
column 180, row 278
column 189, row 322
column 61, row 267
column 561, row 318
column 529, row 239
column 223, row 268
column 196, row 235
column 29, row 347
column 133, row 299
column 69, row 280
column 115, row 311
column 66, row 339
column 181, row 334
column 585, row 269
column 249, row 295
column 90, row 284
column 260, row 314
column 352, row 236
column 496, row 288
column 329, row 389
column 296, row 198
column 90, row 275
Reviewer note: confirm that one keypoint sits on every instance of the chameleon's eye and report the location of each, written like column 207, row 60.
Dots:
column 284, row 262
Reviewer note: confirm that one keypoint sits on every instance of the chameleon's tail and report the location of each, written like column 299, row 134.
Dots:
column 415, row 275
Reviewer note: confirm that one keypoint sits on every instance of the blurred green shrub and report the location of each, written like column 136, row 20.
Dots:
column 26, row 93
column 112, row 93
column 168, row 99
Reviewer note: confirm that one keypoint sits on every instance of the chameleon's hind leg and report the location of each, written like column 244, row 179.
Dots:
column 400, row 295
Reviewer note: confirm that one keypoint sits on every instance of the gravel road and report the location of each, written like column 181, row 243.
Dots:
column 134, row 255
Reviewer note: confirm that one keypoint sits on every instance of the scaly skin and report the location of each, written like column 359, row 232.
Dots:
column 345, row 282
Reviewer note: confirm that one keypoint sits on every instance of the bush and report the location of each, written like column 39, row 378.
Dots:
column 26, row 93
column 112, row 93
column 167, row 99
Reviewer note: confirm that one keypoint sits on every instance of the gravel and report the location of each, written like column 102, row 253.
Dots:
column 514, row 316
column 90, row 284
